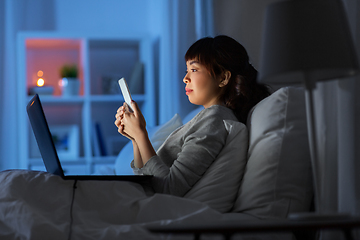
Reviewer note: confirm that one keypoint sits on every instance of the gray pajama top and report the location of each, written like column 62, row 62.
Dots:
column 189, row 151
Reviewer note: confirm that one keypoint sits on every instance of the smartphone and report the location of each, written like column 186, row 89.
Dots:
column 125, row 92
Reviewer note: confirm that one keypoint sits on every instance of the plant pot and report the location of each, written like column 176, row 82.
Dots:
column 70, row 86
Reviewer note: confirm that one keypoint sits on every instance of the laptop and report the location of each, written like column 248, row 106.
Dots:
column 48, row 151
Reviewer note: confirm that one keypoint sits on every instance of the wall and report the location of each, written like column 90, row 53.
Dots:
column 114, row 16
column 242, row 20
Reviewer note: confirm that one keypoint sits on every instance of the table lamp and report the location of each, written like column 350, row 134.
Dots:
column 305, row 41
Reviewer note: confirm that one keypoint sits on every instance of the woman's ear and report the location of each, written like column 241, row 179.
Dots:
column 225, row 79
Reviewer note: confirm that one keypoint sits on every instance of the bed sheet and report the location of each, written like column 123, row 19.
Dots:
column 39, row 205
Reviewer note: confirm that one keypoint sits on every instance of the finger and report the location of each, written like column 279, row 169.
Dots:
column 119, row 112
column 121, row 129
column 117, row 122
column 119, row 115
column 135, row 108
column 120, row 109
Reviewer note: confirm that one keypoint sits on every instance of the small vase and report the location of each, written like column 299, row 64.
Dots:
column 69, row 86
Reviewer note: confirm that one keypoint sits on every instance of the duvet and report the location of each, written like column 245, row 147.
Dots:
column 39, row 205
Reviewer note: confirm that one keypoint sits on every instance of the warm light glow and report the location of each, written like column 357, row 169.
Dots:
column 40, row 82
column 40, row 73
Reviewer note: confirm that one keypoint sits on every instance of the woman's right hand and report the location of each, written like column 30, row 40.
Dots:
column 118, row 121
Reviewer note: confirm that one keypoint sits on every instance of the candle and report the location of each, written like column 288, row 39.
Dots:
column 40, row 87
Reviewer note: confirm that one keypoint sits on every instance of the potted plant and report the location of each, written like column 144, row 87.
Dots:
column 70, row 84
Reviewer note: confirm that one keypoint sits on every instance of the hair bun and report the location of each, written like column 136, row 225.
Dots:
column 250, row 72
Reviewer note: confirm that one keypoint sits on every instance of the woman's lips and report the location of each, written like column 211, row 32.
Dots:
column 188, row 91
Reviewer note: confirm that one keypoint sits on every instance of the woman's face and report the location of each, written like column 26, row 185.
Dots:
column 201, row 88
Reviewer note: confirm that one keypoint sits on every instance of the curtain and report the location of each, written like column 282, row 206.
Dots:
column 204, row 18
column 8, row 90
column 184, row 22
column 338, row 114
column 349, row 135
column 177, row 35
column 2, row 58
column 17, row 15
column 337, row 106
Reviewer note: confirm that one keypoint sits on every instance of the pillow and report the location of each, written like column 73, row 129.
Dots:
column 192, row 114
column 278, row 178
column 219, row 185
column 157, row 136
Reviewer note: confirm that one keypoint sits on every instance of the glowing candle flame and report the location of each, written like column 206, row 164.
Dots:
column 40, row 82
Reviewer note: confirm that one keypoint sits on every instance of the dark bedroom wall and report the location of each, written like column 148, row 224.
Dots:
column 242, row 20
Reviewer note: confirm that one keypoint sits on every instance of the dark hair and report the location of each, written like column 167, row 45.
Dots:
column 221, row 54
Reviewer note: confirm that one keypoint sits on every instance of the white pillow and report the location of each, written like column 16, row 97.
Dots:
column 157, row 136
column 219, row 185
column 277, row 178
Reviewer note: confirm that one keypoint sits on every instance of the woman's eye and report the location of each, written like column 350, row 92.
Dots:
column 191, row 70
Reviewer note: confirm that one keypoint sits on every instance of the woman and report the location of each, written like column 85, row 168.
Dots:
column 218, row 77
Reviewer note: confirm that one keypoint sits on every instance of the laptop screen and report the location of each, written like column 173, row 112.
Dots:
column 43, row 136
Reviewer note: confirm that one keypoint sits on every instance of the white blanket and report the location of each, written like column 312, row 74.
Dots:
column 38, row 205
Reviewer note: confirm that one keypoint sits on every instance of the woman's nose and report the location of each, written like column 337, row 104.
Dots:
column 186, row 79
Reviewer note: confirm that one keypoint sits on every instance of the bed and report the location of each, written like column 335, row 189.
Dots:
column 270, row 178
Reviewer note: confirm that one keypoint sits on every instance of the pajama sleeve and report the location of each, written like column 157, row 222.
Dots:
column 196, row 148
